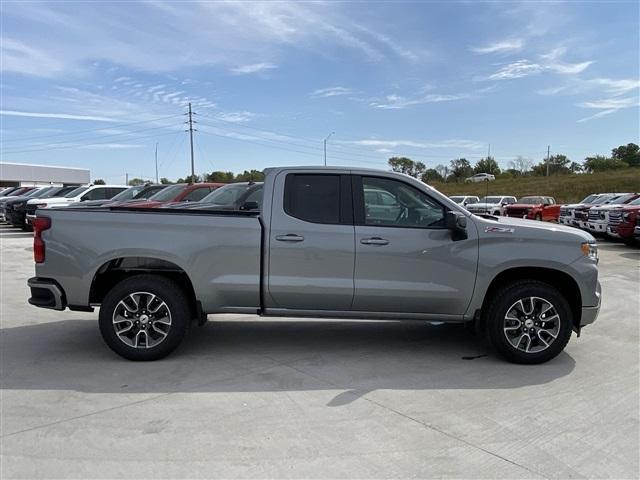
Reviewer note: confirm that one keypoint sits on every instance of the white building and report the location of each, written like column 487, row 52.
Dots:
column 18, row 174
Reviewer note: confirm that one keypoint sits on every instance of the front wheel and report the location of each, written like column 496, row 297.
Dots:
column 528, row 322
column 144, row 317
column 539, row 217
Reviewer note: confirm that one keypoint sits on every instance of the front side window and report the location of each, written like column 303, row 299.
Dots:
column 313, row 198
column 401, row 205
column 95, row 194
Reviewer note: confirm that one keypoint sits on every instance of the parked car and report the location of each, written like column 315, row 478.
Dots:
column 316, row 248
column 179, row 192
column 480, row 177
column 26, row 192
column 581, row 214
column 598, row 218
column 7, row 191
column 131, row 194
column 16, row 209
column 233, row 196
column 80, row 194
column 534, row 208
column 623, row 221
column 491, row 205
column 566, row 216
column 464, row 200
column 636, row 230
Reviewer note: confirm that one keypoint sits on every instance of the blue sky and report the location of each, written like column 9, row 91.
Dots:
column 96, row 85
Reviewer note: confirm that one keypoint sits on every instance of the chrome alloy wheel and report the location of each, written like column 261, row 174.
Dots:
column 532, row 324
column 142, row 320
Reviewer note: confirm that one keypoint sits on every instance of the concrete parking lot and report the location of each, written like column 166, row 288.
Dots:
column 258, row 398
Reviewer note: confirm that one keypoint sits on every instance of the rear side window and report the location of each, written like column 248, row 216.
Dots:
column 313, row 198
column 197, row 194
column 95, row 194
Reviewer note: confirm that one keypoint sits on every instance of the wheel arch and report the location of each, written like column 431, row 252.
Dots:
column 117, row 269
column 564, row 282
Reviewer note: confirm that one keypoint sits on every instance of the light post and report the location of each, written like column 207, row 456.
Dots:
column 325, row 147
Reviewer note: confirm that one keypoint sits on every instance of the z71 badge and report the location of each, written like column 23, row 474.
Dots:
column 499, row 230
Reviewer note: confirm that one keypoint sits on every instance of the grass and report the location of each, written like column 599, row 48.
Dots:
column 564, row 188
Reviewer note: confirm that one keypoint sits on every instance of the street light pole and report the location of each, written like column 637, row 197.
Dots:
column 156, row 162
column 325, row 147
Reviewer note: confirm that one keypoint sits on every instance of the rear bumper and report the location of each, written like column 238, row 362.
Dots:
column 589, row 314
column 46, row 293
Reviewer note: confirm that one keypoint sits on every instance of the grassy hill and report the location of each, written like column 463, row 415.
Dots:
column 564, row 188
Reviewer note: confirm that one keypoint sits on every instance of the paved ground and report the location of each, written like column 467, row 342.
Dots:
column 246, row 397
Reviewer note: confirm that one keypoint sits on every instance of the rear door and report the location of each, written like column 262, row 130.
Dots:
column 407, row 262
column 311, row 242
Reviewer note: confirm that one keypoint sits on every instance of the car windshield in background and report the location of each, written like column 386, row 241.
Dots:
column 226, row 195
column 635, row 202
column 590, row 199
column 490, row 199
column 622, row 198
column 169, row 193
column 76, row 192
column 457, row 199
column 128, row 194
column 530, row 200
column 149, row 191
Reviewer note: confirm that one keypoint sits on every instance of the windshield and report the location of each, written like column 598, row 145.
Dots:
column 530, row 200
column 457, row 199
column 635, row 202
column 149, row 191
column 490, row 199
column 76, row 192
column 129, row 193
column 226, row 195
column 622, row 199
column 169, row 193
column 34, row 193
column 590, row 199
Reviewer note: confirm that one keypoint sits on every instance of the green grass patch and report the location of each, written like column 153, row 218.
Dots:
column 564, row 188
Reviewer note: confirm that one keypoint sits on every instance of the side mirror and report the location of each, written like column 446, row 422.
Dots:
column 249, row 206
column 456, row 222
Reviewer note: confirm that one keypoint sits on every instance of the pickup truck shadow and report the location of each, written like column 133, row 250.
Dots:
column 264, row 355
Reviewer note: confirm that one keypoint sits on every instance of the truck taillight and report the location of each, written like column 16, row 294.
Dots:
column 40, row 224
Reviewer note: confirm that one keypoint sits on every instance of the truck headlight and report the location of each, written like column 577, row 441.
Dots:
column 626, row 216
column 590, row 250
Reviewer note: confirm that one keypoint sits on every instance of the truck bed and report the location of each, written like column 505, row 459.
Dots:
column 219, row 250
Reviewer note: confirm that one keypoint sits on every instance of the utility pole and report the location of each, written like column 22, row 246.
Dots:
column 191, row 130
column 126, row 179
column 157, row 162
column 489, row 152
column 548, row 150
column 325, row 147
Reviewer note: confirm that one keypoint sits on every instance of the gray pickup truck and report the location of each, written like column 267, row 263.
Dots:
column 326, row 242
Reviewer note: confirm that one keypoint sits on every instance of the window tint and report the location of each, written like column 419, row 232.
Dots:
column 313, row 198
column 95, row 194
column 197, row 194
column 400, row 205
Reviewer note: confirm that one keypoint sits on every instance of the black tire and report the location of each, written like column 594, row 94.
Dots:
column 539, row 217
column 179, row 317
column 501, row 303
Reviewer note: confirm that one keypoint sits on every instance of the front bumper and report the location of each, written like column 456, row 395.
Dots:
column 46, row 293
column 597, row 227
column 589, row 314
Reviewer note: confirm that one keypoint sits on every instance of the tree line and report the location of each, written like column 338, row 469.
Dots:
column 459, row 169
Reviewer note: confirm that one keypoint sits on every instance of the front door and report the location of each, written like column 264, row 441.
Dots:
column 406, row 260
column 311, row 242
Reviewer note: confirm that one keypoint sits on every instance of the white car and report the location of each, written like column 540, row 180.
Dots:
column 481, row 177
column 464, row 200
column 80, row 194
column 492, row 205
column 598, row 217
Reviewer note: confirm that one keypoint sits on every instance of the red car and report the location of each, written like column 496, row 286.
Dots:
column 180, row 192
column 534, row 208
column 622, row 221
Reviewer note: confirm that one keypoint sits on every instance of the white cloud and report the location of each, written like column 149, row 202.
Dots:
column 396, row 102
column 331, row 92
column 550, row 63
column 607, row 106
column 617, row 86
column 504, row 46
column 519, row 69
column 253, row 68
column 392, row 144
column 569, row 68
column 63, row 116
column 236, row 117
column 19, row 57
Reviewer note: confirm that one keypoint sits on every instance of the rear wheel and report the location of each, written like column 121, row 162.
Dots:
column 539, row 217
column 144, row 317
column 528, row 322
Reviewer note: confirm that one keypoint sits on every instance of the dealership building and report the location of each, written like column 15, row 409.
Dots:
column 24, row 174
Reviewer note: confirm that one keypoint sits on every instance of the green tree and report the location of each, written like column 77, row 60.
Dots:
column 220, row 177
column 136, row 181
column 461, row 169
column 165, row 181
column 443, row 171
column 250, row 176
column 407, row 166
column 487, row 165
column 99, row 181
column 600, row 163
column 629, row 154
column 431, row 175
column 192, row 179
column 575, row 167
column 520, row 165
column 558, row 165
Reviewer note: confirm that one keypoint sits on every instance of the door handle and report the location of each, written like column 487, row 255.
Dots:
column 374, row 241
column 290, row 237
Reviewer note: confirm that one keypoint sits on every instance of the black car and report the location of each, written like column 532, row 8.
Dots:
column 16, row 209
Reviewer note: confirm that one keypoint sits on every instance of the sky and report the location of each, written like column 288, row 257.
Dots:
column 99, row 84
